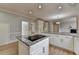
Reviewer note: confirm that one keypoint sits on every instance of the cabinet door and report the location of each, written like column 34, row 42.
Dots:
column 45, row 48
column 45, row 28
column 37, row 51
column 41, row 48
column 57, row 41
column 40, row 26
column 51, row 39
column 62, row 41
column 67, row 42
column 76, row 45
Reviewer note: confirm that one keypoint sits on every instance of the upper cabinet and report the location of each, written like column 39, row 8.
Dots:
column 41, row 26
column 64, row 25
column 51, row 27
column 45, row 28
column 67, row 24
column 32, row 27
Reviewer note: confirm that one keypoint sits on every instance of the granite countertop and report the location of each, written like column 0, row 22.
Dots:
column 65, row 33
column 28, row 42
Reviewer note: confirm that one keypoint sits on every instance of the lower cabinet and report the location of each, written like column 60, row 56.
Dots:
column 67, row 42
column 62, row 41
column 55, row 40
column 51, row 39
column 76, row 45
column 40, row 48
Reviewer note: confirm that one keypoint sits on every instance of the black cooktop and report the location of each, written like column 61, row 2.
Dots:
column 35, row 37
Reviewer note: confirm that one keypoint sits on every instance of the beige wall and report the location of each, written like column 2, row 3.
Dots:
column 14, row 25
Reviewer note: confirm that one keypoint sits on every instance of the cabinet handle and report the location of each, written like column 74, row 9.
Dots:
column 43, row 49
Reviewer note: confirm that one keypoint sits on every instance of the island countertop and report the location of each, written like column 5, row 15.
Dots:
column 25, row 40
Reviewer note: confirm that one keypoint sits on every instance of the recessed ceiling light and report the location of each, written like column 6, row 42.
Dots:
column 40, row 6
column 30, row 12
column 59, row 7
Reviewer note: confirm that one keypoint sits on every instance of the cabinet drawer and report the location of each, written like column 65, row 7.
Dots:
column 67, row 42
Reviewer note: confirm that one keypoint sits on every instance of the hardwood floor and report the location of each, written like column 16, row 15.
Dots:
column 9, row 49
column 53, row 50
column 12, row 49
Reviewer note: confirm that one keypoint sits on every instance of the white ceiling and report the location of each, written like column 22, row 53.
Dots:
column 49, row 11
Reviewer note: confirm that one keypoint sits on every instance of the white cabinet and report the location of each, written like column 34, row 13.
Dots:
column 45, row 27
column 40, row 48
column 32, row 27
column 62, row 41
column 51, row 39
column 55, row 40
column 67, row 42
column 40, row 24
column 76, row 45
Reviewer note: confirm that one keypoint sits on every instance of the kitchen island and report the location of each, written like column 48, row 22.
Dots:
column 37, row 47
